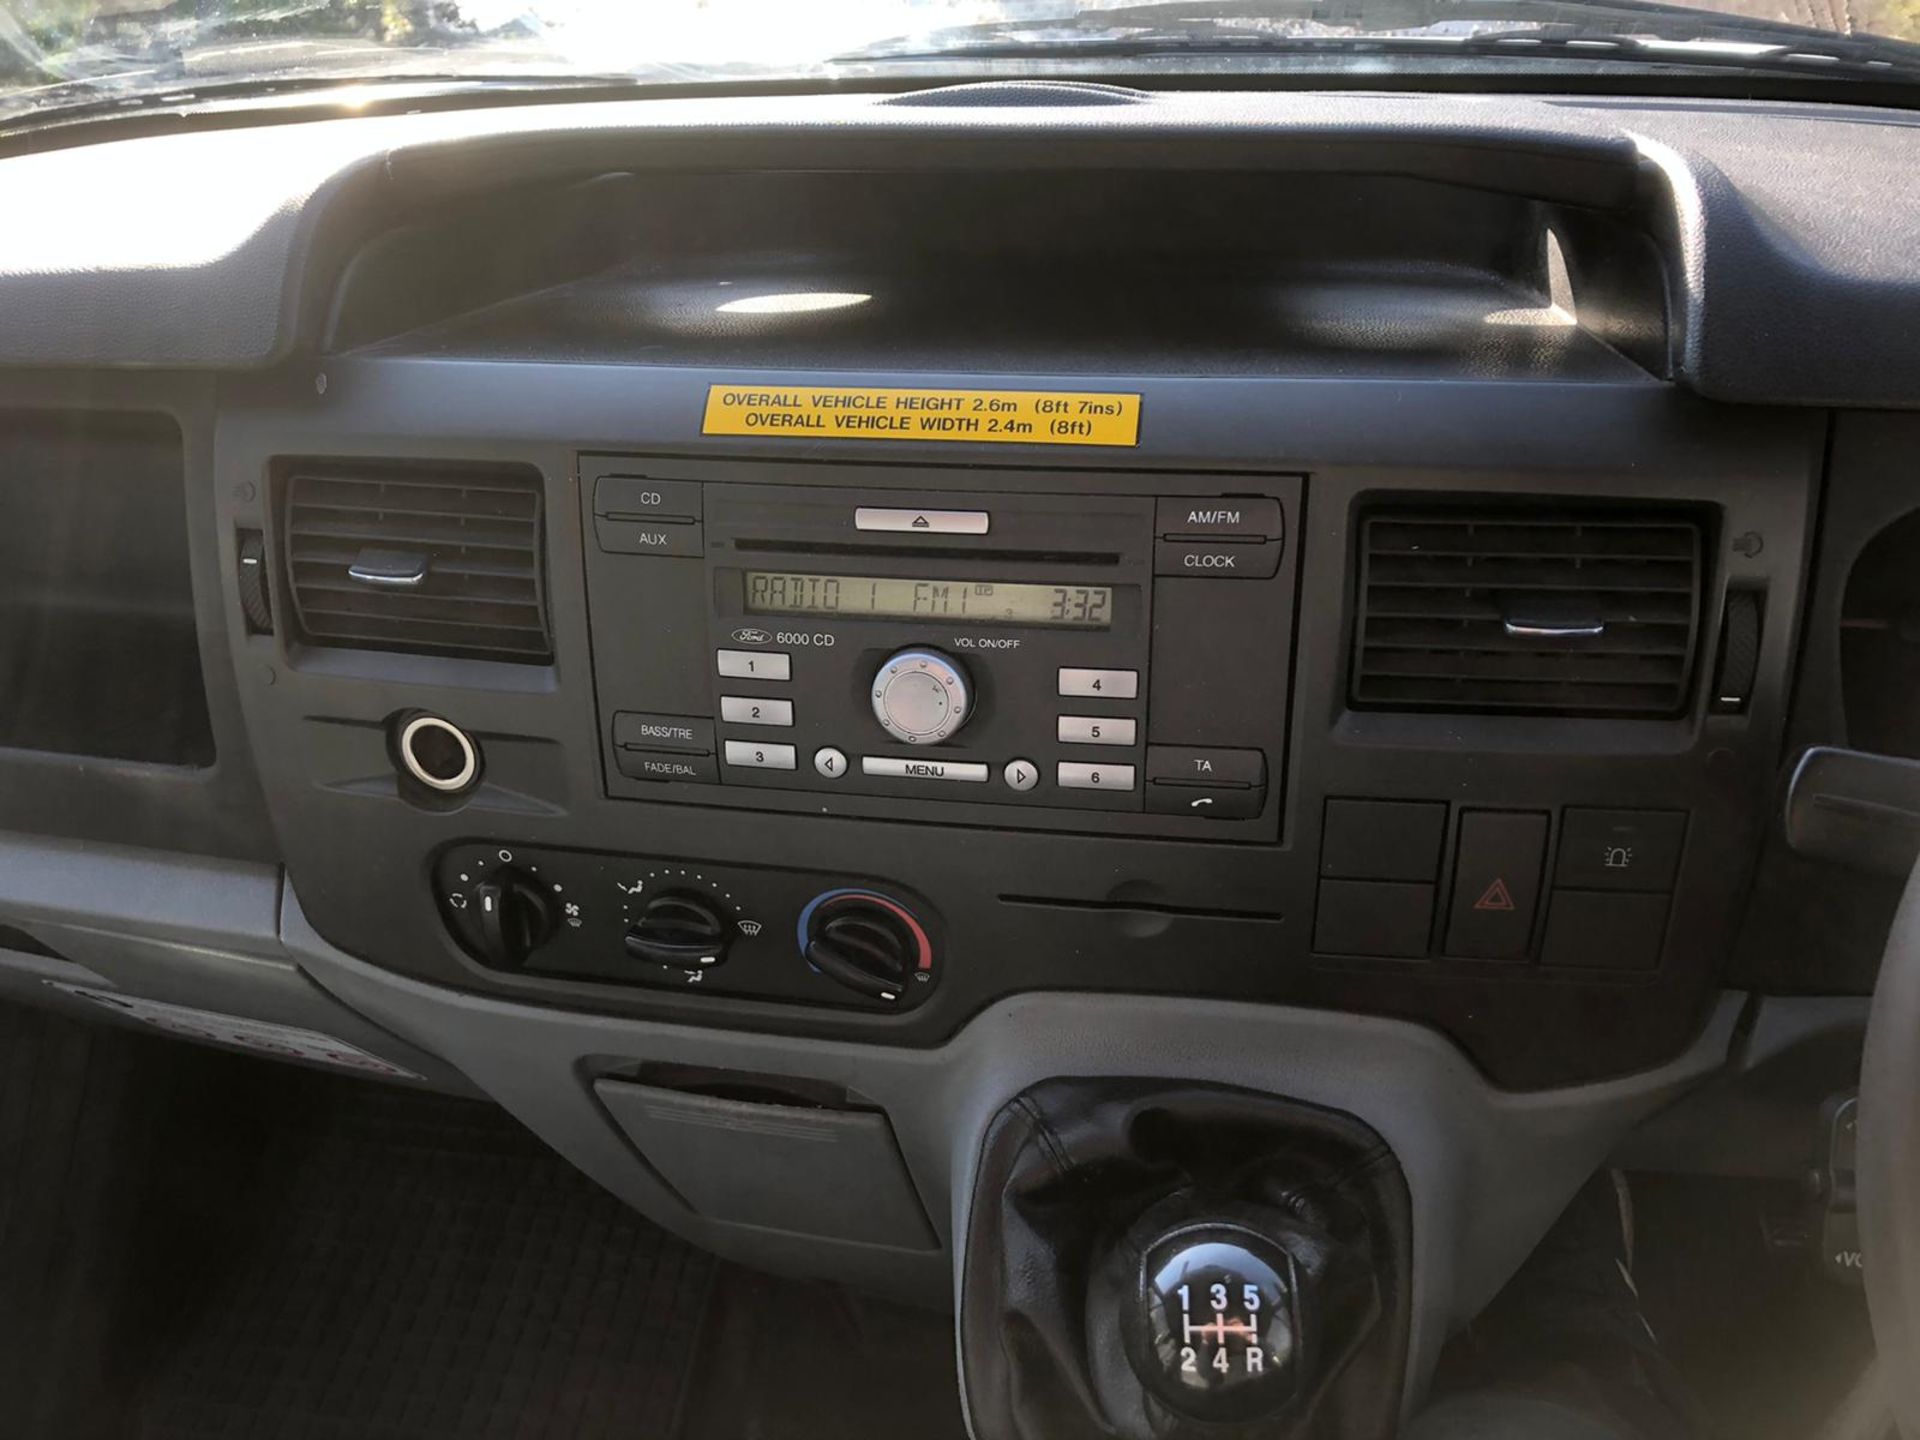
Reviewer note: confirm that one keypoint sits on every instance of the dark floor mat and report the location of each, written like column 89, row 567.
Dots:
column 200, row 1245
column 424, row 1267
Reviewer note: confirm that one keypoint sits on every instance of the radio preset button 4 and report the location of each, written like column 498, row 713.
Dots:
column 1096, row 730
column 753, row 755
column 1081, row 775
column 888, row 767
column 755, row 665
column 1100, row 684
column 752, row 710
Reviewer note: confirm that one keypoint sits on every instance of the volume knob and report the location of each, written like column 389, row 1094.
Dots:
column 921, row 697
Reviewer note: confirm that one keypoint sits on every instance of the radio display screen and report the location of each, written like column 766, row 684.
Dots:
column 782, row 592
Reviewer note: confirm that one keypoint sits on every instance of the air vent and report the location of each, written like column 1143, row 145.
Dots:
column 431, row 562
column 1542, row 611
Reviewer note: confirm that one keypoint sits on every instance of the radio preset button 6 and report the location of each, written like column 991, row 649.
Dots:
column 921, row 522
column 755, row 665
column 1079, row 775
column 1021, row 775
column 753, row 755
column 1096, row 730
column 752, row 710
column 887, row 767
column 921, row 697
column 1100, row 684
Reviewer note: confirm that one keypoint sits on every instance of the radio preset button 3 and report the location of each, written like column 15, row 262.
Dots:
column 1021, row 775
column 1100, row 684
column 831, row 763
column 755, row 665
column 752, row 710
column 1096, row 730
column 1082, row 775
column 888, row 767
column 753, row 755
column 921, row 697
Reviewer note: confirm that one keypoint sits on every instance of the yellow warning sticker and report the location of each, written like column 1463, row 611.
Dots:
column 855, row 412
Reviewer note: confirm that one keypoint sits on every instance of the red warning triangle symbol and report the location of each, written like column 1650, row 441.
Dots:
column 1496, row 897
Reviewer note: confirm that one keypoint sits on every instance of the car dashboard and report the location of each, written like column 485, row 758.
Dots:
column 752, row 631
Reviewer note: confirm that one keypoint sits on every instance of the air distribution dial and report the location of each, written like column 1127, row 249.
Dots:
column 921, row 697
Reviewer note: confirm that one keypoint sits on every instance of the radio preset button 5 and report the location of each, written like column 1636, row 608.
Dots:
column 1079, row 775
column 1100, row 684
column 1096, row 730
column 754, row 755
column 921, row 522
column 755, row 665
column 887, row 767
column 921, row 697
column 752, row 710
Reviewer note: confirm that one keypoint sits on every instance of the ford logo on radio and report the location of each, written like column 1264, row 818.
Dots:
column 751, row 636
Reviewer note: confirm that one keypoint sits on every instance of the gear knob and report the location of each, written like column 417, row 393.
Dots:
column 1213, row 1327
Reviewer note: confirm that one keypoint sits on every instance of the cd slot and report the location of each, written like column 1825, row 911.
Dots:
column 927, row 552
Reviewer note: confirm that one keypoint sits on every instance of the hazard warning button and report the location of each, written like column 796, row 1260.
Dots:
column 1496, row 884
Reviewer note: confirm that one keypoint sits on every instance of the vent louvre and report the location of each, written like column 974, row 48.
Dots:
column 483, row 594
column 1441, row 592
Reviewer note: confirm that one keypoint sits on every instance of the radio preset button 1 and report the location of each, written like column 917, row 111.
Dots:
column 1096, row 730
column 755, row 665
column 887, row 767
column 1081, row 775
column 1100, row 684
column 1021, row 775
column 921, row 522
column 831, row 763
column 921, row 697
column 753, row 755
column 752, row 710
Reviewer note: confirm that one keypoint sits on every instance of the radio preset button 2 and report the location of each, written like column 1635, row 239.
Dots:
column 888, row 767
column 753, row 755
column 831, row 763
column 921, row 522
column 752, row 710
column 1100, row 684
column 1021, row 775
column 1096, row 730
column 921, row 697
column 1081, row 775
column 755, row 665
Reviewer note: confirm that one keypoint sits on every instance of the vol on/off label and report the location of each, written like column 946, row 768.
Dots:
column 855, row 412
